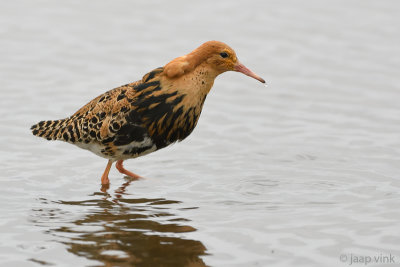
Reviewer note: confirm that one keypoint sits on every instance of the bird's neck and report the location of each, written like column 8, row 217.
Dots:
column 197, row 83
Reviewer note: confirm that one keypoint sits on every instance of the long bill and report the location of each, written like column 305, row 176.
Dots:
column 243, row 69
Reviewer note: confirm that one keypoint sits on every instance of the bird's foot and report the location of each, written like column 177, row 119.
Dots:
column 105, row 187
column 122, row 170
column 105, row 184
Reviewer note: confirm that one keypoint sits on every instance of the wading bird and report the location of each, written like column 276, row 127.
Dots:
column 141, row 117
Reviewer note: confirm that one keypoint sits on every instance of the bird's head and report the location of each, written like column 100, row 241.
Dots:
column 217, row 55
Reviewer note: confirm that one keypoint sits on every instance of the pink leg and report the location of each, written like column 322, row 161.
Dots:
column 104, row 177
column 121, row 169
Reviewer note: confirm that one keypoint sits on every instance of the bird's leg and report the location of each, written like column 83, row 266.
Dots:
column 121, row 169
column 104, row 177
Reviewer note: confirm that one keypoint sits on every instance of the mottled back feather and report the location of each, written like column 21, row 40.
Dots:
column 141, row 113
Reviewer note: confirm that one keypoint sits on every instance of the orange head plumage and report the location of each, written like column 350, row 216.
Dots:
column 218, row 56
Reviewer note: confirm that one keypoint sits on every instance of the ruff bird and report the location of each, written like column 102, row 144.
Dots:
column 144, row 116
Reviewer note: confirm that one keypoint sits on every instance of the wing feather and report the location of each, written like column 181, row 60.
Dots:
column 111, row 117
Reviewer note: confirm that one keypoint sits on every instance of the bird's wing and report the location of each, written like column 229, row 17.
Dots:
column 112, row 116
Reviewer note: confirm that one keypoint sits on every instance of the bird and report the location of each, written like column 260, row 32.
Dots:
column 141, row 117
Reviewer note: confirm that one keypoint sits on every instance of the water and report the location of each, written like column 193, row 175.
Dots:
column 302, row 173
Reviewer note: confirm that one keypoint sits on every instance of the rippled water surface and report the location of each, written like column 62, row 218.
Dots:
column 305, row 172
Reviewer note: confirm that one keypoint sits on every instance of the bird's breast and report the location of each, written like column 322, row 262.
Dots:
column 170, row 117
column 167, row 110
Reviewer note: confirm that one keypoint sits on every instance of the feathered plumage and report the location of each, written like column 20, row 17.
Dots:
column 144, row 116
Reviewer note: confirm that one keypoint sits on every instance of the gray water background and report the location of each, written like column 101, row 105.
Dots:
column 296, row 174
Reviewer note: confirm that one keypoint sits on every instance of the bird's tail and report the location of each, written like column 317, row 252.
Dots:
column 51, row 130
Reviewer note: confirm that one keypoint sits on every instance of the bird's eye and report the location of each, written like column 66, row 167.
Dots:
column 223, row 54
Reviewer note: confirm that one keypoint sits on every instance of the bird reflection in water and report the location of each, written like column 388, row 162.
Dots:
column 130, row 232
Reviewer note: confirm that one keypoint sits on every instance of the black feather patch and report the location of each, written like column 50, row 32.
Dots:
column 143, row 86
column 151, row 74
column 136, row 150
column 129, row 133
